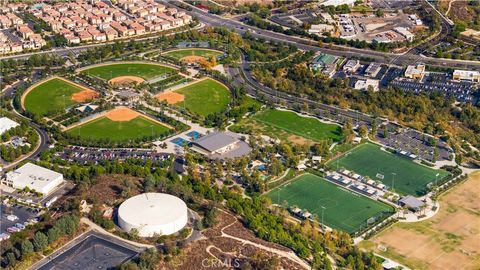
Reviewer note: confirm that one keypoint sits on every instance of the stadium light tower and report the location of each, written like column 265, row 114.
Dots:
column 436, row 179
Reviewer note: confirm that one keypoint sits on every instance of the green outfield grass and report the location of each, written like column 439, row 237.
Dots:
column 369, row 160
column 106, row 129
column 205, row 97
column 179, row 54
column 344, row 209
column 143, row 70
column 307, row 127
column 51, row 96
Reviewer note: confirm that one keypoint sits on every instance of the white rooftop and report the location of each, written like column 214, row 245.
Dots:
column 6, row 124
column 34, row 177
column 152, row 209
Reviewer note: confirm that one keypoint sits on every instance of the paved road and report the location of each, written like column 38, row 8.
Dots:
column 305, row 44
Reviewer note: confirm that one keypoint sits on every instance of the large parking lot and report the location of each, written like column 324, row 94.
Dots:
column 23, row 216
column 462, row 91
column 414, row 142
column 93, row 155
column 90, row 251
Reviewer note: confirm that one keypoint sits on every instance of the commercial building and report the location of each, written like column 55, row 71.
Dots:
column 351, row 66
column 415, row 72
column 153, row 214
column 338, row 3
column 405, row 33
column 366, row 84
column 466, row 75
column 220, row 145
column 320, row 28
column 7, row 124
column 34, row 177
column 322, row 60
column 373, row 69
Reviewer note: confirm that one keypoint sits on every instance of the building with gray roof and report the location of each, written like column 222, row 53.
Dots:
column 221, row 145
column 411, row 203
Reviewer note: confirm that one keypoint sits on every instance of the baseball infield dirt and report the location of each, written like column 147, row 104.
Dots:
column 170, row 97
column 123, row 80
column 121, row 114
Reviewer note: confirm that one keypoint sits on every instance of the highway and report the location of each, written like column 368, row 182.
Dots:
column 305, row 44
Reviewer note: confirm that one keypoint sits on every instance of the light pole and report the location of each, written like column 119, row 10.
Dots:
column 323, row 209
column 436, row 179
column 393, row 180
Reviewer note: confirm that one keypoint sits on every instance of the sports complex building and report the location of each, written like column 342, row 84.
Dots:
column 153, row 214
column 221, row 145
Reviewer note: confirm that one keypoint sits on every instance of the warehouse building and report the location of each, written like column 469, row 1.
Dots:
column 34, row 177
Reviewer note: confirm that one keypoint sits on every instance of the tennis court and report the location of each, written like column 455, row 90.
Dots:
column 343, row 209
column 403, row 174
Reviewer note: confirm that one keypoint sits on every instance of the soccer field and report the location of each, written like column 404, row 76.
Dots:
column 205, row 97
column 143, row 70
column 307, row 127
column 50, row 96
column 344, row 210
column 369, row 160
column 117, row 131
column 179, row 54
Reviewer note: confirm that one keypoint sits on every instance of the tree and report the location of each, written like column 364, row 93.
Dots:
column 27, row 247
column 40, row 241
column 12, row 260
column 385, row 131
column 363, row 131
column 53, row 234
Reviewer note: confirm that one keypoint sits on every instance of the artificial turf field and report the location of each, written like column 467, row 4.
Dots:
column 52, row 95
column 306, row 127
column 344, row 210
column 205, row 97
column 179, row 54
column 369, row 160
column 117, row 131
column 143, row 70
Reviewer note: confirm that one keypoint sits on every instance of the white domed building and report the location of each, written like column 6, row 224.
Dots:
column 153, row 213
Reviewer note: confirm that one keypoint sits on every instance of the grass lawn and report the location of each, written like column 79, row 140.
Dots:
column 143, row 70
column 344, row 210
column 50, row 96
column 368, row 160
column 179, row 54
column 106, row 129
column 205, row 97
column 307, row 127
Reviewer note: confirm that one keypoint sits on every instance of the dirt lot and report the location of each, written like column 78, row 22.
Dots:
column 121, row 114
column 85, row 95
column 170, row 97
column 219, row 250
column 450, row 240
column 108, row 188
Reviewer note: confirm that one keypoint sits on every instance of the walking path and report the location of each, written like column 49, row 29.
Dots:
column 285, row 254
column 103, row 231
